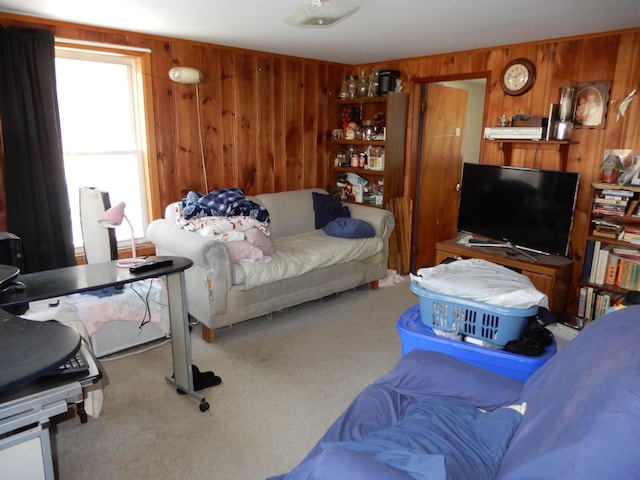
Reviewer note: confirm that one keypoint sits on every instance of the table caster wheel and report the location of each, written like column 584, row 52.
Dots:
column 204, row 406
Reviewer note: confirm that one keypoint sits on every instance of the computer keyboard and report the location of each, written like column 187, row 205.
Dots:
column 75, row 364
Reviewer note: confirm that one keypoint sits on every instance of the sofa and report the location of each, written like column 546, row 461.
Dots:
column 307, row 264
column 435, row 417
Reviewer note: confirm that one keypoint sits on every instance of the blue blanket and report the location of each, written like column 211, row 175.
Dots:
column 582, row 419
column 226, row 202
column 441, row 439
column 419, row 383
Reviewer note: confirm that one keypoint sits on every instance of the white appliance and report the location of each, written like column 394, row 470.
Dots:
column 99, row 242
column 514, row 133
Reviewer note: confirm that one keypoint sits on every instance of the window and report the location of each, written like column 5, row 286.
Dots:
column 103, row 132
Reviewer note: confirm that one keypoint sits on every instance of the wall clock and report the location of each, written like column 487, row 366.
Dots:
column 518, row 76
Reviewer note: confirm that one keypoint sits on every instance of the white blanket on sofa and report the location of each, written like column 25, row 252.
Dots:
column 299, row 254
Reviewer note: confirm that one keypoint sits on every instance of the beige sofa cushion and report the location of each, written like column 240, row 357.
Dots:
column 290, row 213
column 299, row 254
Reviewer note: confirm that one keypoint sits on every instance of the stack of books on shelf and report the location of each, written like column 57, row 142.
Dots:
column 625, row 233
column 630, row 234
column 594, row 303
column 602, row 228
column 615, row 202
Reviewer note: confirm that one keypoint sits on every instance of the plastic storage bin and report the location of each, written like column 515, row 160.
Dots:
column 492, row 323
column 414, row 334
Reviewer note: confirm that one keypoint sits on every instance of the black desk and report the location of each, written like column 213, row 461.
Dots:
column 32, row 391
column 83, row 278
column 30, row 349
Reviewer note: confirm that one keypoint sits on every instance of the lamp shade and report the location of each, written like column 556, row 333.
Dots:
column 113, row 217
column 186, row 75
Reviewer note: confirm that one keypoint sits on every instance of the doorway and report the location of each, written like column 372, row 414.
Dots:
column 450, row 133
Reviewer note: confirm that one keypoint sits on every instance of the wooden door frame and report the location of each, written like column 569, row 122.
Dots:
column 418, row 118
column 419, row 85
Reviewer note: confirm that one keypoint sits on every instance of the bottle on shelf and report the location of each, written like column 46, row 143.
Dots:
column 363, row 85
column 352, row 86
column 368, row 158
column 373, row 82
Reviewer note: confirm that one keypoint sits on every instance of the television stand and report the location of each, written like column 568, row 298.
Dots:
column 479, row 242
column 551, row 274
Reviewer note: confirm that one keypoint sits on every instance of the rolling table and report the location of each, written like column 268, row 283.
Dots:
column 84, row 278
column 32, row 391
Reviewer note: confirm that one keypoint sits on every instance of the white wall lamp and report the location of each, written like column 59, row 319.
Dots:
column 319, row 15
column 186, row 75
column 193, row 76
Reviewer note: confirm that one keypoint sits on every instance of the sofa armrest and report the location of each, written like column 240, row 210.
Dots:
column 203, row 251
column 380, row 219
column 209, row 280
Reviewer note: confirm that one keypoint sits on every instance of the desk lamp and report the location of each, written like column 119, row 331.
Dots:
column 112, row 218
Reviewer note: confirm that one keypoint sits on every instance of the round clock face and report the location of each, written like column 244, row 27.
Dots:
column 518, row 76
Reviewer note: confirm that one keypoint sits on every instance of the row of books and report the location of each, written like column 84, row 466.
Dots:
column 605, row 265
column 594, row 303
column 617, row 203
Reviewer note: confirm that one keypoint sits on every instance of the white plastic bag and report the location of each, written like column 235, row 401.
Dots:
column 481, row 281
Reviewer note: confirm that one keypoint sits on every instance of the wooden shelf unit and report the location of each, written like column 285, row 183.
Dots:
column 551, row 274
column 561, row 146
column 394, row 107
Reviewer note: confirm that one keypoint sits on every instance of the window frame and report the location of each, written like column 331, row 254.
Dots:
column 146, row 136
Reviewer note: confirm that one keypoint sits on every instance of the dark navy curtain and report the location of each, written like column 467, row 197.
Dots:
column 36, row 191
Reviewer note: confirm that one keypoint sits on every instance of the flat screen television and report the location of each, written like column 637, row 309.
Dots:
column 529, row 208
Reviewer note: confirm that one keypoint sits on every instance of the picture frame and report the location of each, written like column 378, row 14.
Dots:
column 592, row 100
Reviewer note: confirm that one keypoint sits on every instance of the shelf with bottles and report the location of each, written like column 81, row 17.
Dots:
column 363, row 157
column 370, row 143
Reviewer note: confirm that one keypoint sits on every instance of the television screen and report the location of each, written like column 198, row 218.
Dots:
column 528, row 207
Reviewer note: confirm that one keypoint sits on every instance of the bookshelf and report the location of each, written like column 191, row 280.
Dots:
column 612, row 254
column 376, row 173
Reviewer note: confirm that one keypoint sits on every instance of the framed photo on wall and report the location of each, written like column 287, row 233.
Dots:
column 592, row 100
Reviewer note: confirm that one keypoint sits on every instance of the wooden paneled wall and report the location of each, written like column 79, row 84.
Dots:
column 264, row 119
column 613, row 56
column 258, row 121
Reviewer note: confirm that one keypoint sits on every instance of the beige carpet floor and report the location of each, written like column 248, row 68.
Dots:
column 285, row 379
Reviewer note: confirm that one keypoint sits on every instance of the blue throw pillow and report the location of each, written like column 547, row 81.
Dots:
column 327, row 208
column 349, row 228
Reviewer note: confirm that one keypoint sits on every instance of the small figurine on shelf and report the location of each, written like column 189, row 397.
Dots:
column 611, row 167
